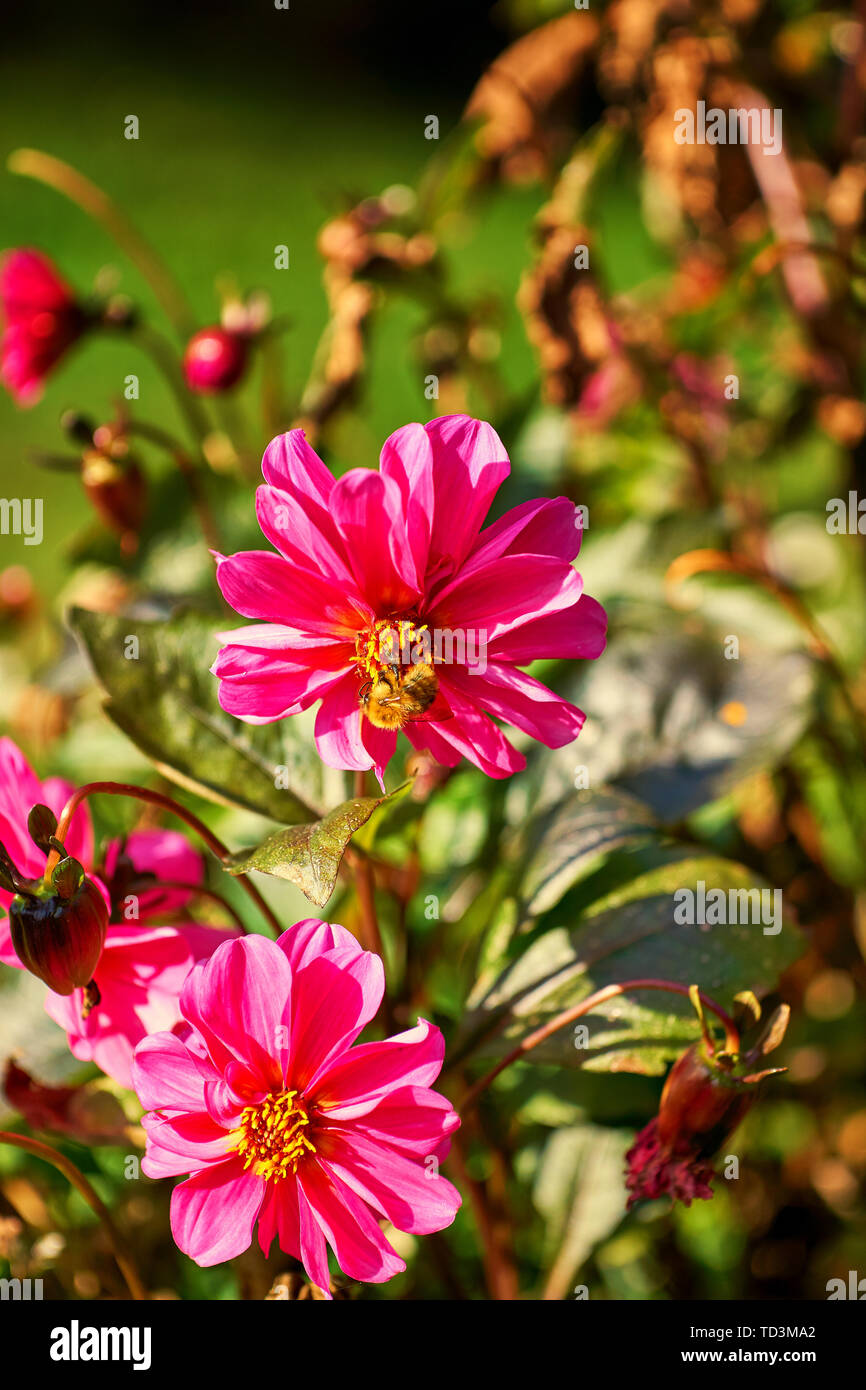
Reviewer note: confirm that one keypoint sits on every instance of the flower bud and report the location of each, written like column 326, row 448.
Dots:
column 58, row 928
column 117, row 490
column 215, row 360
column 705, row 1097
column 701, row 1104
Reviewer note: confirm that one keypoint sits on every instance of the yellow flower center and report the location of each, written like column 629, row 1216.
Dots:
column 390, row 642
column 271, row 1138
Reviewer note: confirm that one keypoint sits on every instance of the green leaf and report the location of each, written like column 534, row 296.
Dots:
column 629, row 934
column 309, row 855
column 676, row 723
column 579, row 1192
column 161, row 694
column 572, row 838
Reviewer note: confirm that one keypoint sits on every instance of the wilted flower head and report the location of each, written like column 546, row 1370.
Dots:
column 706, row 1095
column 142, row 964
column 280, row 1120
column 42, row 317
column 380, row 571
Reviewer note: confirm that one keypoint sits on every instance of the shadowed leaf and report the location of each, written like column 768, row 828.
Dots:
column 165, row 700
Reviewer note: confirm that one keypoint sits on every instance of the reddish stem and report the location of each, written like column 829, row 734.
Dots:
column 94, row 1201
column 167, row 804
column 561, row 1020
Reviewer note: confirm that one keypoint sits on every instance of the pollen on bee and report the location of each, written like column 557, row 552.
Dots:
column 385, row 643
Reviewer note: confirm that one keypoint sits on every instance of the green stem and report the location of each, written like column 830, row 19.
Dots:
column 190, row 474
column 163, row 355
column 35, row 164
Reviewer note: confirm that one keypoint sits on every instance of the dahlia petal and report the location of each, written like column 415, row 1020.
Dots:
column 310, row 938
column 29, row 283
column 262, row 699
column 519, row 699
column 140, row 977
column 183, row 1144
column 369, row 511
column 413, row 1119
column 288, row 525
column 355, row 1082
column 462, row 458
column 280, row 1217
column 407, row 457
column 214, row 1211
column 413, row 1197
column 314, row 1247
column 427, row 737
column 505, row 594
column 546, row 526
column 247, row 659
column 474, row 735
column 380, row 744
column 166, row 1076
column 577, row 632
column 291, row 464
column 350, row 1228
column 237, row 1001
column 228, row 1096
column 279, row 637
column 259, row 584
column 336, row 995
column 338, row 728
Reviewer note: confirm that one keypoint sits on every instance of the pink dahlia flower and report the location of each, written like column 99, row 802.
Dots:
column 401, row 550
column 143, row 965
column 42, row 320
column 280, row 1120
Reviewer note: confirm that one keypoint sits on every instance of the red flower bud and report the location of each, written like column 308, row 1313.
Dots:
column 58, row 928
column 215, row 360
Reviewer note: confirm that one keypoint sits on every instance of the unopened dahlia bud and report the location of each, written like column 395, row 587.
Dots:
column 215, row 360
column 58, row 928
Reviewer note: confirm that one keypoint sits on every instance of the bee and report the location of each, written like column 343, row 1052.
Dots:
column 391, row 697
